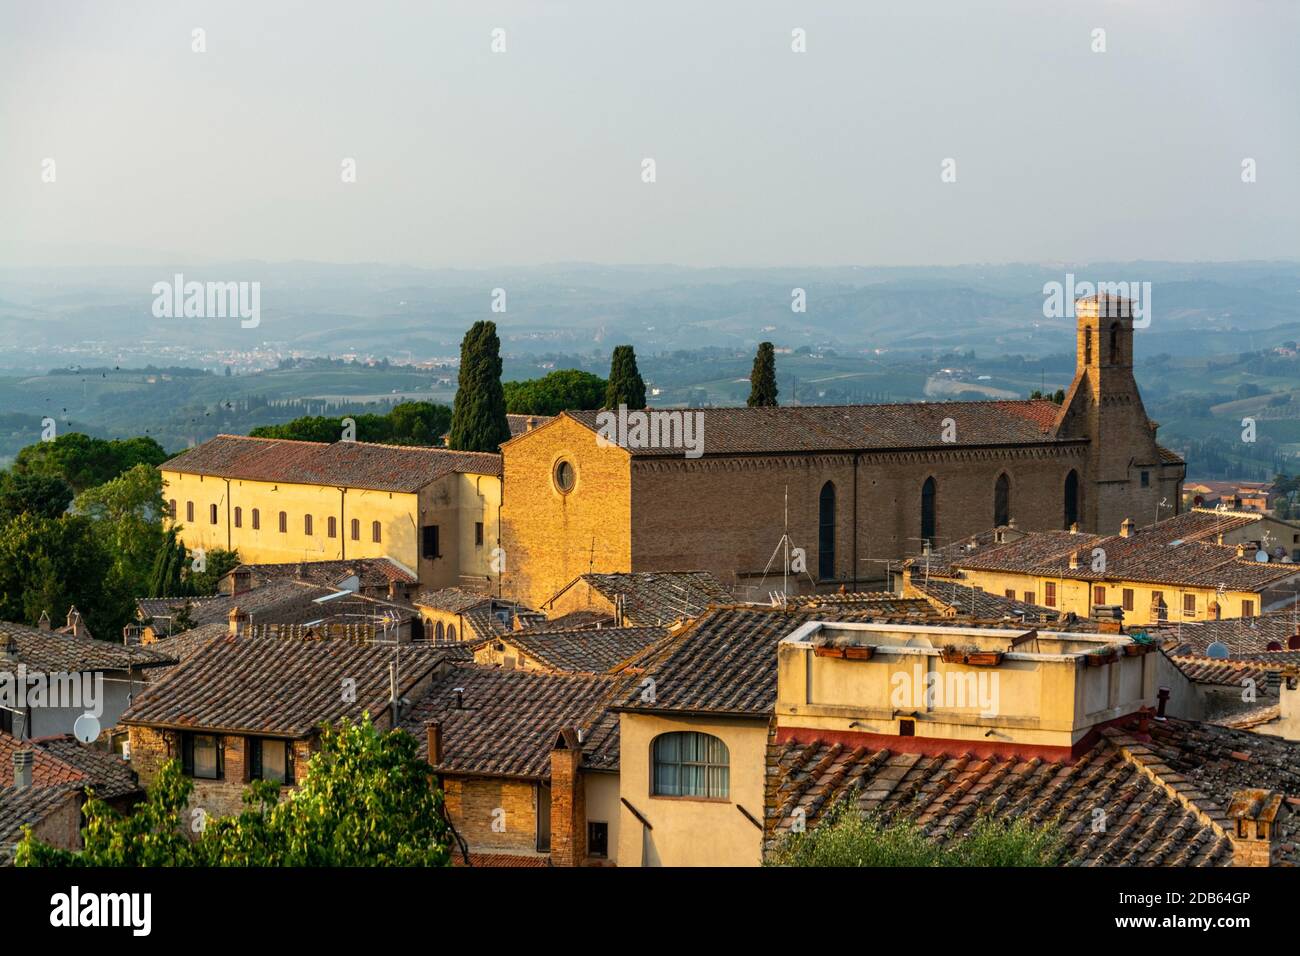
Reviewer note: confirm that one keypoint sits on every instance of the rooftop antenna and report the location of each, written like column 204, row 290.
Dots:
column 783, row 546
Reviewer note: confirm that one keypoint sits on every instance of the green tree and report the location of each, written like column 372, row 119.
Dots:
column 478, row 418
column 407, row 423
column 368, row 800
column 84, row 462
column 217, row 563
column 49, row 564
column 762, row 380
column 626, row 386
column 567, row 388
column 851, row 837
column 127, row 512
column 167, row 577
column 45, row 496
column 418, row 423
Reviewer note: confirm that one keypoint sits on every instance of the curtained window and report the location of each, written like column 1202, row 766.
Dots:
column 689, row 764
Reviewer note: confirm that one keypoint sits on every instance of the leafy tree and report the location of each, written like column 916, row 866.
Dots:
column 562, row 389
column 127, row 513
column 626, row 386
column 418, row 423
column 407, row 423
column 478, row 418
column 850, row 837
column 218, row 563
column 84, row 462
column 762, row 380
column 49, row 564
column 45, row 496
column 368, row 800
column 167, row 577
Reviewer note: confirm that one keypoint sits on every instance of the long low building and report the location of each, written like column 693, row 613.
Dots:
column 432, row 510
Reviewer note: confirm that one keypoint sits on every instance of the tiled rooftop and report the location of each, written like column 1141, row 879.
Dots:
column 399, row 468
column 819, row 428
column 652, row 598
column 586, row 650
column 509, row 720
column 280, row 686
column 52, row 652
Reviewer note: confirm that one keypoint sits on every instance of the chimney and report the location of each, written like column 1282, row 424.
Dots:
column 1011, row 523
column 74, row 620
column 23, row 769
column 1253, row 814
column 568, row 801
column 433, row 734
column 532, row 423
column 241, row 580
column 238, row 621
column 1241, row 550
column 8, row 650
column 44, row 622
column 396, row 591
column 1126, row 528
column 1074, row 560
column 1162, row 698
column 460, row 698
column 1074, row 527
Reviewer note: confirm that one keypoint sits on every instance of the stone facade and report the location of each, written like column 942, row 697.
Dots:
column 726, row 513
column 495, row 814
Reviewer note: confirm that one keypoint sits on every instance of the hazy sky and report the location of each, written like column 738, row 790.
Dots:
column 764, row 156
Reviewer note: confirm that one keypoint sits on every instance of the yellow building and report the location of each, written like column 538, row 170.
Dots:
column 1200, row 565
column 433, row 511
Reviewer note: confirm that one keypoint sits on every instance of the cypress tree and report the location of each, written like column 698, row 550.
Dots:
column 626, row 386
column 166, row 579
column 478, row 419
column 762, row 380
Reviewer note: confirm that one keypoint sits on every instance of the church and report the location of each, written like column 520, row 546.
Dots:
column 844, row 490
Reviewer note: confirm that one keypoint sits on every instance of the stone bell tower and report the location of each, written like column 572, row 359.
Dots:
column 1127, row 476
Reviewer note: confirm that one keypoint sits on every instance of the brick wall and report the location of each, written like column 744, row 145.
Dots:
column 473, row 804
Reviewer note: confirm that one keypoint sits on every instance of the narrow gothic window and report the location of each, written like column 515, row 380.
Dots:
column 1071, row 498
column 826, row 533
column 1114, row 343
column 927, row 510
column 1087, row 346
column 1002, row 501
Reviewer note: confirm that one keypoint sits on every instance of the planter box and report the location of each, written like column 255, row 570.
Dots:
column 1137, row 650
column 984, row 659
column 952, row 656
column 828, row 651
column 1100, row 660
column 859, row 652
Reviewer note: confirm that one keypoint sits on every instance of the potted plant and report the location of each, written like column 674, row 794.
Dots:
column 952, row 654
column 978, row 658
column 1101, row 656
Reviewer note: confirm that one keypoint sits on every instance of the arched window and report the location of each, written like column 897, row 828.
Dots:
column 257, row 519
column 1114, row 343
column 171, row 509
column 451, row 632
column 374, row 531
column 239, row 517
column 1087, row 346
column 1002, row 501
column 1071, row 498
column 438, row 630
column 826, row 533
column 928, row 493
column 212, row 514
column 306, row 524
column 284, row 522
column 356, row 529
column 332, row 527
column 689, row 764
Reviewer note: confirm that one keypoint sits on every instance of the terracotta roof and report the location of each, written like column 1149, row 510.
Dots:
column 400, row 468
column 453, row 600
column 107, row 774
column 1210, row 670
column 981, row 605
column 1163, row 798
column 1243, row 636
column 280, row 686
column 510, row 720
column 370, row 572
column 519, row 424
column 585, row 650
column 51, row 652
column 1250, row 719
column 496, row 860
column 28, row 807
column 572, row 621
column 1175, row 552
column 725, row 661
column 657, row 597
column 790, row 429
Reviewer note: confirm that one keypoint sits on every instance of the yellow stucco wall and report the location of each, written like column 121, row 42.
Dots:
column 1076, row 596
column 603, row 806
column 455, row 503
column 691, row 832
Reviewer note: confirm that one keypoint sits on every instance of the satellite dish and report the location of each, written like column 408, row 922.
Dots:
column 1261, row 556
column 1218, row 650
